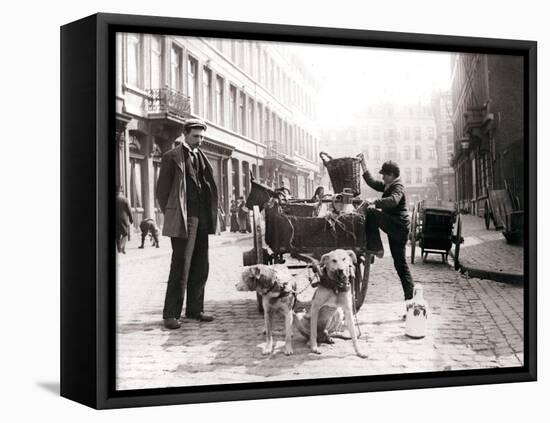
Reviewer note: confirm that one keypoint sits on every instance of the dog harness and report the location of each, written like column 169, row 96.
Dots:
column 283, row 293
column 335, row 285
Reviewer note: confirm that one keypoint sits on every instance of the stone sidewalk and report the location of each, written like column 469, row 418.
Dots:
column 224, row 238
column 486, row 254
column 473, row 324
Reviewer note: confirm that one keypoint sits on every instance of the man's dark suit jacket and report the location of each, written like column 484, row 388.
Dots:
column 393, row 201
column 123, row 215
column 172, row 190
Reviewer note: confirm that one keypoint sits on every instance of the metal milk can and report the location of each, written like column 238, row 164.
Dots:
column 343, row 202
column 417, row 314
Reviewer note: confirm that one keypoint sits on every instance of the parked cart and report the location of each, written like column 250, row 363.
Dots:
column 436, row 225
column 503, row 209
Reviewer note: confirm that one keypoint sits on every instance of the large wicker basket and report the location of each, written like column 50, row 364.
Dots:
column 344, row 173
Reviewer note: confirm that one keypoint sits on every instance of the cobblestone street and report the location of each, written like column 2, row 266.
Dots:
column 473, row 324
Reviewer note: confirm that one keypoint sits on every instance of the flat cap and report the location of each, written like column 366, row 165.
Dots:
column 194, row 123
column 390, row 167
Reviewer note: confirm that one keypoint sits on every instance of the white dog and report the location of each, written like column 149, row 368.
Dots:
column 336, row 272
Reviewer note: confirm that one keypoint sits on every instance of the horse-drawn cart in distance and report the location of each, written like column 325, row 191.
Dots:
column 436, row 225
column 293, row 229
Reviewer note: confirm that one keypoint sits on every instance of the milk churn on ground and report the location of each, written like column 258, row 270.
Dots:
column 417, row 314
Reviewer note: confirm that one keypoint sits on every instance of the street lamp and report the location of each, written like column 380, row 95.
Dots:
column 465, row 143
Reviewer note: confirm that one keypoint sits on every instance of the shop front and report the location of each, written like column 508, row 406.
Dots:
column 219, row 154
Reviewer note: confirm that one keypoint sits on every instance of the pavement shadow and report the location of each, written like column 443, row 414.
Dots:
column 140, row 325
column 384, row 322
column 234, row 341
column 403, row 338
column 434, row 260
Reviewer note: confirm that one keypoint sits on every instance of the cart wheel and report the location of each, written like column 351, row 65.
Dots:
column 516, row 203
column 258, row 247
column 256, row 254
column 487, row 215
column 412, row 235
column 458, row 241
column 362, row 271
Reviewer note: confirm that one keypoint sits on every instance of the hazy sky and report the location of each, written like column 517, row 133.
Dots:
column 357, row 75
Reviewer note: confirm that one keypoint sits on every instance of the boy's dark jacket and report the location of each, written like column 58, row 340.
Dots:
column 393, row 201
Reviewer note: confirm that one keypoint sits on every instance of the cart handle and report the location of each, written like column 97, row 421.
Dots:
column 324, row 200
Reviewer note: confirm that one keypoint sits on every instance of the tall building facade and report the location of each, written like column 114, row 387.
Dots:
column 488, row 112
column 443, row 176
column 257, row 99
column 404, row 134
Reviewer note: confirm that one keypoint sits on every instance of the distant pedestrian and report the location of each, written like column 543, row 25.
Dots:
column 389, row 213
column 244, row 224
column 188, row 197
column 123, row 221
column 234, row 210
column 221, row 221
column 318, row 194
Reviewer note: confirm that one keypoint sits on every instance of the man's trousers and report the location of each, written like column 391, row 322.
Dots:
column 188, row 272
column 397, row 232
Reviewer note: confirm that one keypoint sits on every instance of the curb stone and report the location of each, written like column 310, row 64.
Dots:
column 494, row 275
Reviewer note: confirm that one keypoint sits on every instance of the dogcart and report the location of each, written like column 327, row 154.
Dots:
column 293, row 228
column 436, row 225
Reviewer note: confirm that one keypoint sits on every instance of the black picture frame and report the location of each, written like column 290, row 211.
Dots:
column 87, row 180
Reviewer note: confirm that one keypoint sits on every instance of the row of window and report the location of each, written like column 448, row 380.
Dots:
column 474, row 177
column 245, row 115
column 207, row 92
column 254, row 59
column 392, row 154
column 399, row 111
column 390, row 134
column 249, row 117
column 469, row 86
column 407, row 175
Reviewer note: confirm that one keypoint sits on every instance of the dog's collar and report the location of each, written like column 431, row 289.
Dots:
column 285, row 292
column 268, row 291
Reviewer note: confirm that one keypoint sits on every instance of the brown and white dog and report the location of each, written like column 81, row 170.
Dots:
column 149, row 226
column 336, row 272
column 277, row 288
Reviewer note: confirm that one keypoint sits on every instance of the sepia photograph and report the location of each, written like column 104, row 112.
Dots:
column 291, row 211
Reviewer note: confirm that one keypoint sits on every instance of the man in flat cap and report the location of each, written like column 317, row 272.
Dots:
column 389, row 213
column 188, row 197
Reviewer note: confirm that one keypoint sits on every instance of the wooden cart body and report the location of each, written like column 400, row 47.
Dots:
column 436, row 226
column 293, row 229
